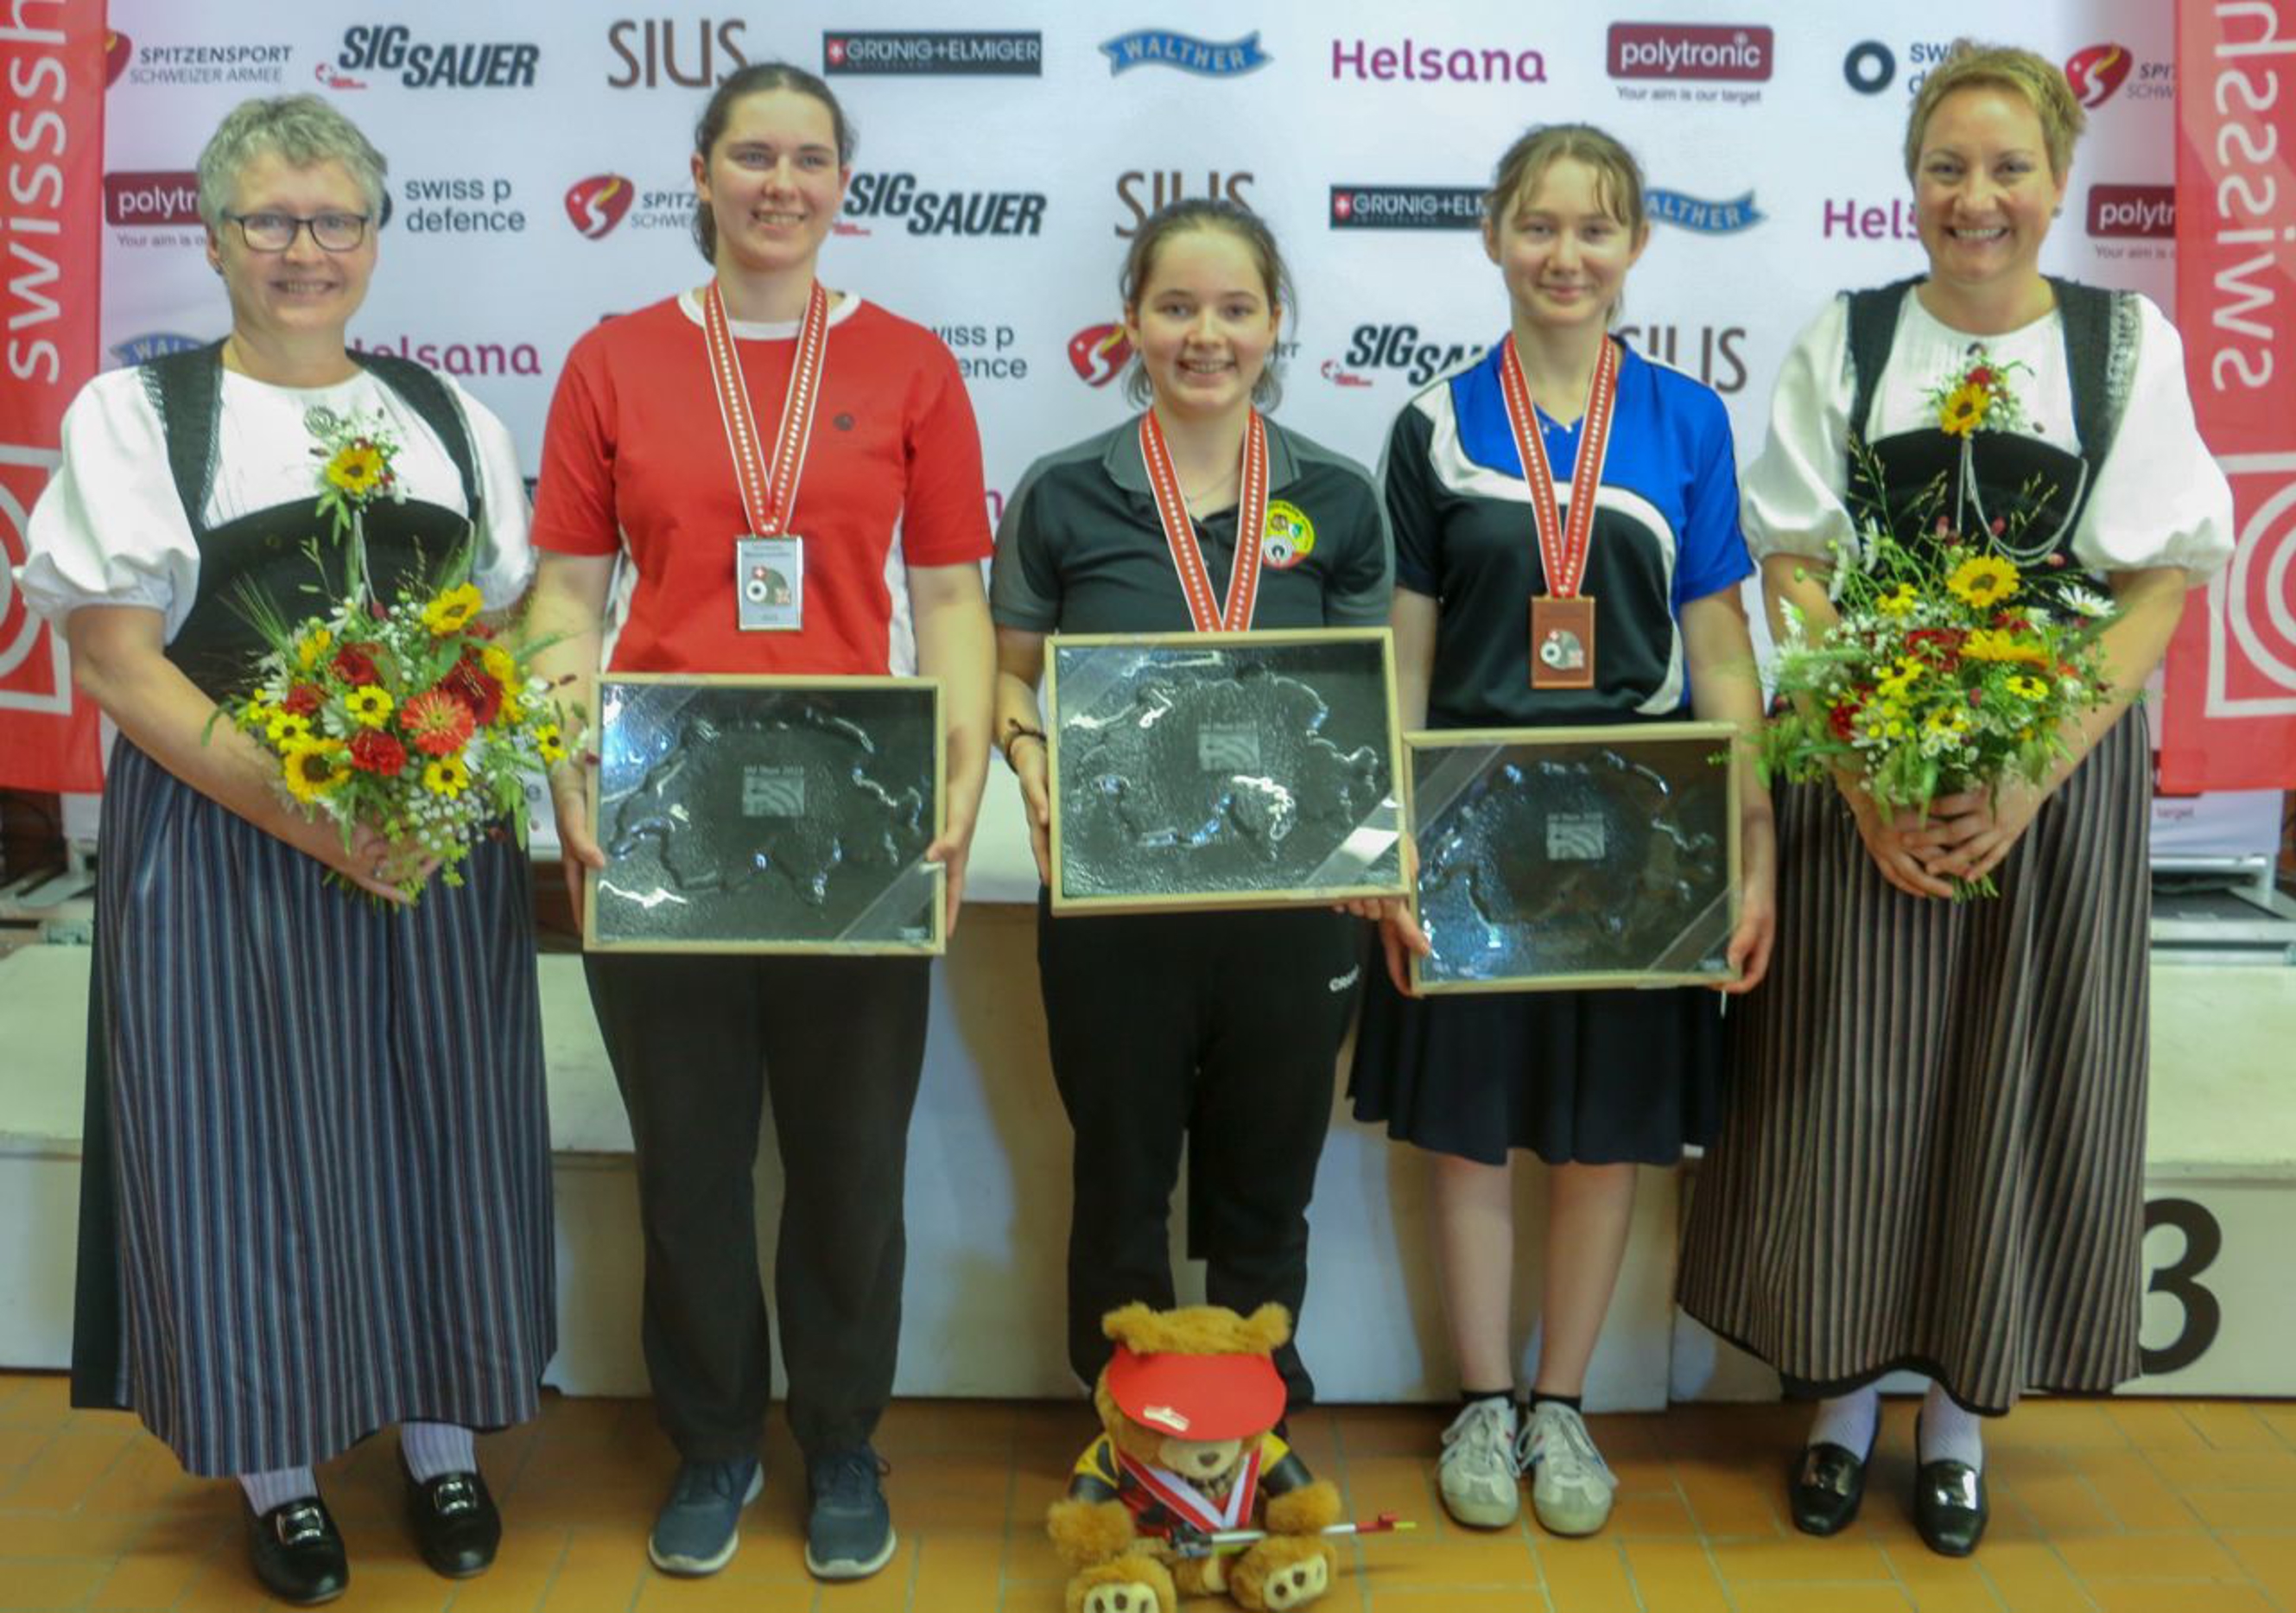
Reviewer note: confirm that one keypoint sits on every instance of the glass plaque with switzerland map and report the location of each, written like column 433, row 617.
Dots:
column 767, row 815
column 1222, row 769
column 1553, row 858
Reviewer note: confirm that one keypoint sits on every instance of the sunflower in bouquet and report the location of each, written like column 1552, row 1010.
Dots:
column 414, row 716
column 1954, row 665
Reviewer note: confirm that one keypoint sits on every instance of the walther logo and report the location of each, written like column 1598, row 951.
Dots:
column 152, row 200
column 1681, row 50
column 2148, row 210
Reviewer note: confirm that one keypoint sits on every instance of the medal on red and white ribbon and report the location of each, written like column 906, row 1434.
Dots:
column 1184, row 1501
column 1563, row 618
column 769, row 560
column 1180, row 532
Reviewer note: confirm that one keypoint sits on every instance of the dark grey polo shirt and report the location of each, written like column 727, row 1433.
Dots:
column 1081, row 549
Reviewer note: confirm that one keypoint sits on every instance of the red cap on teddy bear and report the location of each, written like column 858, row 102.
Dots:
column 1197, row 1397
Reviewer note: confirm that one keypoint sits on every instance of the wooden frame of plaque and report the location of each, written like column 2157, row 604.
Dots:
column 1349, row 831
column 868, row 825
column 1690, row 923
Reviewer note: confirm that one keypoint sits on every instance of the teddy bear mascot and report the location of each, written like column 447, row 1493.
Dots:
column 1188, row 1458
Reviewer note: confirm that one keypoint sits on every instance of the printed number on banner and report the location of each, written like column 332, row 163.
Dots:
column 2203, row 1314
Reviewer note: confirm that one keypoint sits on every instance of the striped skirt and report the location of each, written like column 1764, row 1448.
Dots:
column 1933, row 1152
column 316, row 1199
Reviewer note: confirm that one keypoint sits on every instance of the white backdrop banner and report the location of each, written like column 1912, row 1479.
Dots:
column 539, row 182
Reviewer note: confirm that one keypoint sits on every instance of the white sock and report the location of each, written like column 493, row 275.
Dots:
column 1949, row 1433
column 1847, row 1420
column 277, row 1487
column 434, row 1448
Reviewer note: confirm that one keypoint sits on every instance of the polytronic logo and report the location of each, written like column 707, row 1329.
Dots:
column 1681, row 50
column 152, row 200
column 598, row 203
column 2140, row 210
column 1098, row 353
column 2097, row 73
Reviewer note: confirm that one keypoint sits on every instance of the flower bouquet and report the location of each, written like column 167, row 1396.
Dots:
column 1954, row 666
column 412, row 717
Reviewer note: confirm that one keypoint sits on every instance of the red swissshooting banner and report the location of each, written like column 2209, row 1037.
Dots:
column 52, row 59
column 2230, row 721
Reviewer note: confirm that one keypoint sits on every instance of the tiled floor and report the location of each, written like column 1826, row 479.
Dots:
column 2185, row 1507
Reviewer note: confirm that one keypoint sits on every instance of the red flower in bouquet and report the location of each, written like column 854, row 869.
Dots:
column 303, row 700
column 374, row 751
column 468, row 682
column 1941, row 645
column 355, row 666
column 439, row 723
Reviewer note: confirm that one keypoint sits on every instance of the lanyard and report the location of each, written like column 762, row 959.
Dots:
column 1180, row 532
column 767, row 497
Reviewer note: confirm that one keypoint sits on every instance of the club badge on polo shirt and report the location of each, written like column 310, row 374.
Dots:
column 769, row 579
column 1289, row 537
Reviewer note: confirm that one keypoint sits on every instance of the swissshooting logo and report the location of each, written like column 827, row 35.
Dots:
column 1165, row 47
column 597, row 204
column 1098, row 353
column 1704, row 217
column 2095, row 72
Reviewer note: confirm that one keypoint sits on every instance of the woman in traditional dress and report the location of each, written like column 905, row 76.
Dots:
column 1595, row 1084
column 1221, row 1031
column 1932, row 1157
column 875, row 519
column 316, row 1195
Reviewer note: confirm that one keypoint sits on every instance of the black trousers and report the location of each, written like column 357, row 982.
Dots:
column 697, row 1043
column 1221, row 1031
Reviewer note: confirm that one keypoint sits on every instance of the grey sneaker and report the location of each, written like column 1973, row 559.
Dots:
column 696, row 1530
column 1571, row 1486
column 1477, row 1471
column 850, row 1534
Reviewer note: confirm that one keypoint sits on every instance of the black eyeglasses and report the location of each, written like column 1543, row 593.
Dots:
column 276, row 232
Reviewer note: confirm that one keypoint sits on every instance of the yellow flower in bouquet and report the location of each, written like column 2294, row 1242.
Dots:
column 1989, row 644
column 2028, row 688
column 369, row 705
column 550, row 744
column 1898, row 600
column 314, row 647
column 452, row 610
column 1983, row 580
column 285, row 729
column 358, row 468
column 446, row 776
column 314, row 767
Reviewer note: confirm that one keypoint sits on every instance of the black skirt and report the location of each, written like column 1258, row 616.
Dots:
column 1576, row 1077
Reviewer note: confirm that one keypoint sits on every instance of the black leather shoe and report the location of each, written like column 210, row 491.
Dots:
column 297, row 1552
column 1826, row 1487
column 1950, row 1508
column 456, row 1527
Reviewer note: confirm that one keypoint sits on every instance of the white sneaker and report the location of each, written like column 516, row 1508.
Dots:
column 1572, row 1487
column 1477, row 1471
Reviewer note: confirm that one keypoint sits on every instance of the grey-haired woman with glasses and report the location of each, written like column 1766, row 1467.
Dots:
column 316, row 1199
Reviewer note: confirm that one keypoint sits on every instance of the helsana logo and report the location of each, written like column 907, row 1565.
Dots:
column 117, row 50
column 598, row 203
column 2095, row 72
column 1099, row 353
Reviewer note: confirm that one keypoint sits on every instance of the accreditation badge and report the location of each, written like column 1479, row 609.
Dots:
column 1289, row 537
column 769, row 583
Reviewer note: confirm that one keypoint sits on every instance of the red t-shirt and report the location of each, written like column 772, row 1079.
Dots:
column 634, row 456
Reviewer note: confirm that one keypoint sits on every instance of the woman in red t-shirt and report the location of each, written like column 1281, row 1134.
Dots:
column 877, row 529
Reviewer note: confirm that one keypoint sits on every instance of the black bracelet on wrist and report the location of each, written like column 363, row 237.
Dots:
column 1013, row 735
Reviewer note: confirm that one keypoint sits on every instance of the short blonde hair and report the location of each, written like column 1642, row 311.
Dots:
column 2041, row 82
column 1617, row 176
column 301, row 131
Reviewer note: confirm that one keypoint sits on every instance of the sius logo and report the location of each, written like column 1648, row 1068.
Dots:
column 1013, row 54
column 1708, row 351
column 1162, row 47
column 149, row 200
column 392, row 49
column 1676, row 50
column 1399, row 347
column 1098, row 353
column 597, row 204
column 1704, row 217
column 2144, row 210
column 1406, row 207
column 1418, row 63
column 944, row 212
column 651, row 53
column 2097, row 73
column 1168, row 185
column 139, row 349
